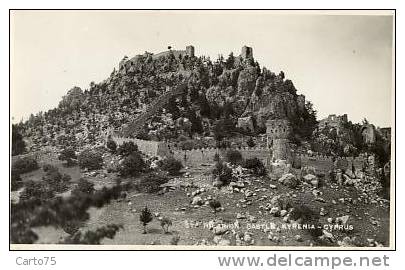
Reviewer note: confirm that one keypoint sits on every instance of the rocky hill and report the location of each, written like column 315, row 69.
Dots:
column 225, row 88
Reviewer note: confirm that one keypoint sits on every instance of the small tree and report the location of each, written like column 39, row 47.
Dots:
column 132, row 165
column 145, row 217
column 18, row 144
column 171, row 165
column 56, row 181
column 68, row 155
column 90, row 159
column 222, row 172
column 165, row 223
column 256, row 165
column 151, row 183
column 24, row 165
column 215, row 205
column 111, row 145
column 127, row 148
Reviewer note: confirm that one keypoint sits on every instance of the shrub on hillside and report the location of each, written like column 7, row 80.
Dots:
column 18, row 144
column 132, row 165
column 233, row 156
column 49, row 167
column 215, row 206
column 151, row 183
column 127, row 148
column 57, row 181
column 37, row 190
column 256, row 165
column 171, row 165
column 222, row 173
column 92, row 237
column 68, row 155
column 145, row 217
column 187, row 145
column 165, row 223
column 25, row 165
column 84, row 186
column 111, row 145
column 90, row 159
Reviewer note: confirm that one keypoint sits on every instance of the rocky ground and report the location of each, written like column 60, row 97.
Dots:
column 254, row 211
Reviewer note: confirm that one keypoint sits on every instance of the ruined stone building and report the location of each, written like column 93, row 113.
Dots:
column 277, row 129
column 126, row 64
column 333, row 121
column 247, row 52
column 277, row 132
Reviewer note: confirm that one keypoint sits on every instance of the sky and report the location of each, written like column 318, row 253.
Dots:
column 341, row 63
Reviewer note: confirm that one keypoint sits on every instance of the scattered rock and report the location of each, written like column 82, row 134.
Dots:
column 289, row 180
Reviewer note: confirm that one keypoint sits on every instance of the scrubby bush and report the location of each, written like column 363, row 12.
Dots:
column 92, row 237
column 145, row 217
column 68, row 155
column 90, row 159
column 18, row 144
column 132, row 165
column 36, row 208
column 57, row 181
column 127, row 148
column 111, row 145
column 48, row 167
column 215, row 205
column 222, row 173
column 171, row 165
column 25, row 165
column 233, row 156
column 165, row 223
column 84, row 186
column 37, row 190
column 256, row 165
column 151, row 183
column 187, row 145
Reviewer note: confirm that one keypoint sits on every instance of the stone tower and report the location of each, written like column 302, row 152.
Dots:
column 190, row 50
column 247, row 52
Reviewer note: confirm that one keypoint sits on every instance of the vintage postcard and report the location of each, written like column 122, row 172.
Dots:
column 202, row 129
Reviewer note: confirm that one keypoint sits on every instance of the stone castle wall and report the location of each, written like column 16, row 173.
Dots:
column 326, row 162
column 196, row 157
column 150, row 148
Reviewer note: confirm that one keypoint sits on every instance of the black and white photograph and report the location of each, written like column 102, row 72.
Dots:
column 202, row 129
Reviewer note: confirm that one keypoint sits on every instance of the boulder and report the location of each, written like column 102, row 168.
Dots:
column 219, row 229
column 288, row 180
column 311, row 179
column 217, row 183
column 308, row 170
column 197, row 201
